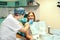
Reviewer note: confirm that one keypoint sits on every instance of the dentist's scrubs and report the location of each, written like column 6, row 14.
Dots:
column 9, row 28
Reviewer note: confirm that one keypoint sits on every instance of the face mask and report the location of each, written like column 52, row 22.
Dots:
column 23, row 20
column 30, row 21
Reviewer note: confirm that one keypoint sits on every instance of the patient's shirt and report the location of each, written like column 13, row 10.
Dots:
column 34, row 28
column 38, row 28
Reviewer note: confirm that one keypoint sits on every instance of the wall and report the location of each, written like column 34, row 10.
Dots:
column 50, row 13
column 5, row 11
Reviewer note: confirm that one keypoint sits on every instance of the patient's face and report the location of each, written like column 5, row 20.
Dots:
column 31, row 16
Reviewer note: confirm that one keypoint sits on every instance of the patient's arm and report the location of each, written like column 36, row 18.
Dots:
column 28, row 36
column 24, row 30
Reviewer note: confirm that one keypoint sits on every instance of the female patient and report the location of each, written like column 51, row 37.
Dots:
column 31, row 16
column 33, row 25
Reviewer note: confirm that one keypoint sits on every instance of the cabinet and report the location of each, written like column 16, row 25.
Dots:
column 19, row 3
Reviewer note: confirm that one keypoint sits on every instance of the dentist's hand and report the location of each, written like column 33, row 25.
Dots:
column 30, row 22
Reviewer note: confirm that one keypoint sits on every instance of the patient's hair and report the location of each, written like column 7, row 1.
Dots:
column 33, row 15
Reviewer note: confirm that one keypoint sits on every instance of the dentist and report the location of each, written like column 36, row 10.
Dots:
column 10, row 26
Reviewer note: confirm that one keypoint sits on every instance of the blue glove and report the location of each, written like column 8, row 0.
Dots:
column 30, row 21
column 23, row 20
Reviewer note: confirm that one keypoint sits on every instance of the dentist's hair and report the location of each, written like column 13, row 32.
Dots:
column 19, row 11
